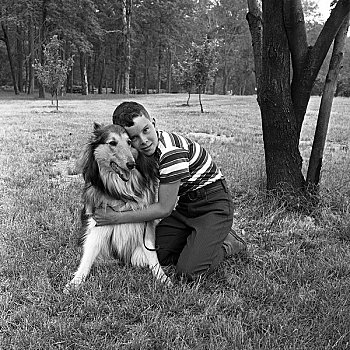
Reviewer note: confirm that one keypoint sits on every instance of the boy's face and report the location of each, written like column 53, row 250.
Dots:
column 143, row 135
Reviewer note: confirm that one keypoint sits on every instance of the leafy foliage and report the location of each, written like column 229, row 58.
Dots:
column 204, row 58
column 53, row 72
column 161, row 32
column 198, row 67
column 183, row 74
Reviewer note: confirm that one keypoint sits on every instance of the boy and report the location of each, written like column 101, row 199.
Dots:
column 195, row 235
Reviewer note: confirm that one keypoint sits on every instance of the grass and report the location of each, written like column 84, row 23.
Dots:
column 291, row 293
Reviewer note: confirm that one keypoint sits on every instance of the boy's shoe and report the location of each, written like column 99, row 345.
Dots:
column 234, row 245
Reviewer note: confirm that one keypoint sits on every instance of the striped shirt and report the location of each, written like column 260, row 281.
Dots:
column 183, row 159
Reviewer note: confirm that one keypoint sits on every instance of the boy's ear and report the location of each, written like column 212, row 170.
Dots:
column 153, row 122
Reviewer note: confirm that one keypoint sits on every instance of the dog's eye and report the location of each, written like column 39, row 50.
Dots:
column 129, row 142
column 113, row 143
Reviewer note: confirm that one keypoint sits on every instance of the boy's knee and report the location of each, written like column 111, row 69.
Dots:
column 188, row 272
column 166, row 258
column 192, row 271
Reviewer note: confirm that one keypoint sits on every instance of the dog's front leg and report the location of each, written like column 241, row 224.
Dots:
column 151, row 255
column 96, row 241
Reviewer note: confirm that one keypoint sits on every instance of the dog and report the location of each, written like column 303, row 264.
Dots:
column 116, row 176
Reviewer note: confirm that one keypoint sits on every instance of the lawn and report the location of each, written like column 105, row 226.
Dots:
column 292, row 292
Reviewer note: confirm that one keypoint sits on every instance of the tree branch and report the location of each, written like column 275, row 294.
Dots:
column 296, row 32
column 315, row 163
column 302, row 84
column 327, row 35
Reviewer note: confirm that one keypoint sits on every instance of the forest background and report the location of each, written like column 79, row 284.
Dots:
column 144, row 40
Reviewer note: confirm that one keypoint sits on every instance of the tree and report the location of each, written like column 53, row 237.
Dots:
column 286, row 68
column 53, row 72
column 184, row 75
column 205, row 63
column 198, row 68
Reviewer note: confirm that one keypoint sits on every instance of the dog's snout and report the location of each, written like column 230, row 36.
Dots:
column 130, row 165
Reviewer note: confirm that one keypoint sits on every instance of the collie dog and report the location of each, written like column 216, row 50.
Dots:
column 116, row 176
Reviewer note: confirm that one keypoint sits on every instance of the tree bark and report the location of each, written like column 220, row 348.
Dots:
column 200, row 98
column 10, row 57
column 224, row 80
column 145, row 72
column 254, row 18
column 159, row 68
column 315, row 163
column 280, row 134
column 127, row 6
column 43, row 30
column 102, row 73
column 31, row 54
column 169, row 70
column 83, row 74
column 20, row 58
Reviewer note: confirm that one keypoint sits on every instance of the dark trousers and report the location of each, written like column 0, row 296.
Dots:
column 192, row 236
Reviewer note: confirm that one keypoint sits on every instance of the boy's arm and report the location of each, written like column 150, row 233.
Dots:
column 167, row 196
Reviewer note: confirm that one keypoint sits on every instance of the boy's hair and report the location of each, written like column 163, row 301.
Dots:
column 125, row 113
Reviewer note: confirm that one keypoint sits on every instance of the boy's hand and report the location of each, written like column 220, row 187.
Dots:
column 106, row 216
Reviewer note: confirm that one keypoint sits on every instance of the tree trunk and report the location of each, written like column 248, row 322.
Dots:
column 254, row 18
column 31, row 55
column 200, row 98
column 93, row 78
column 159, row 80
column 188, row 99
column 83, row 74
column 20, row 58
column 56, row 95
column 281, row 138
column 169, row 70
column 315, row 163
column 224, row 81
column 102, row 73
column 9, row 54
column 90, row 74
column 43, row 30
column 127, row 6
column 145, row 72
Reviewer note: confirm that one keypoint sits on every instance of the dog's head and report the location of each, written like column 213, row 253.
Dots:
column 109, row 158
column 111, row 152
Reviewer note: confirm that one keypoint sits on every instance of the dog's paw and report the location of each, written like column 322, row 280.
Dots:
column 164, row 279
column 73, row 285
column 168, row 282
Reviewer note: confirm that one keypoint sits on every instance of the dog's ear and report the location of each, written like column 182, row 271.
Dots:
column 147, row 166
column 134, row 152
column 97, row 126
